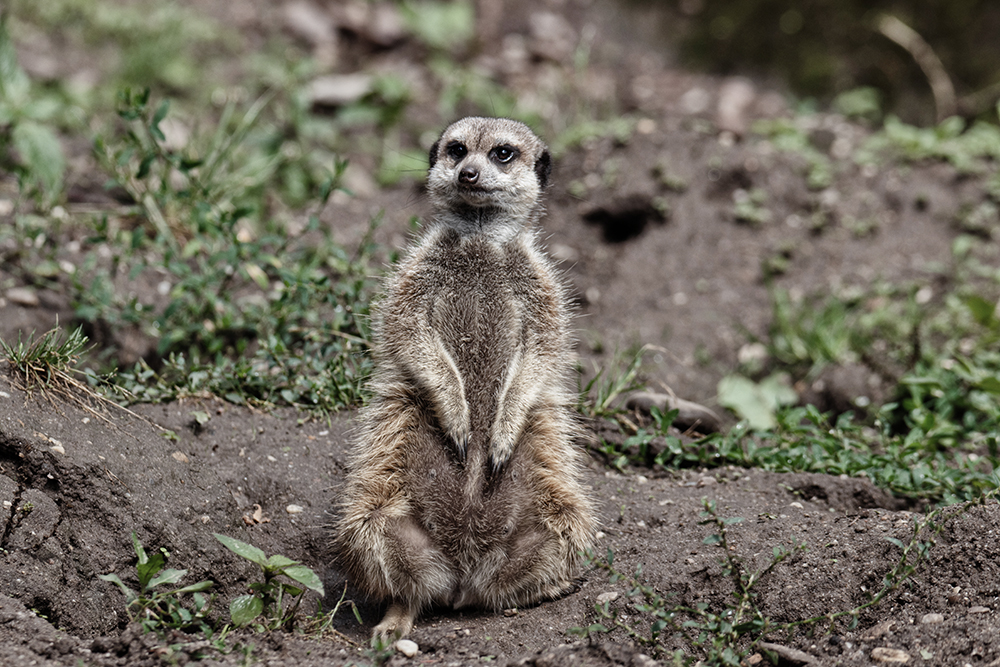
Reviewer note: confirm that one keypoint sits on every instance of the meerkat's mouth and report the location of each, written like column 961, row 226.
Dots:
column 477, row 194
column 475, row 188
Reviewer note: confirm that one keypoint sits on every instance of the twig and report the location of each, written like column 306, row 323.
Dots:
column 923, row 54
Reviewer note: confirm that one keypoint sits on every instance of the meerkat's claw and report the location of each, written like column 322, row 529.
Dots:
column 498, row 459
column 396, row 624
column 501, row 447
column 461, row 444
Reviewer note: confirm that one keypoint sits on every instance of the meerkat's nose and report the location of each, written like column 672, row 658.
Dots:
column 468, row 175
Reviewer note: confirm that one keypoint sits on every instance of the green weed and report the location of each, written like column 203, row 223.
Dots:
column 792, row 136
column 585, row 129
column 443, row 26
column 648, row 446
column 726, row 635
column 620, row 376
column 48, row 361
column 161, row 44
column 156, row 605
column 749, row 207
column 920, row 461
column 971, row 149
column 29, row 145
column 266, row 603
column 756, row 401
column 248, row 309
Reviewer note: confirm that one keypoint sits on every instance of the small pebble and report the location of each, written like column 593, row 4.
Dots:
column 609, row 596
column 407, row 647
column 890, row 655
column 23, row 296
column 294, row 509
column 932, row 618
column 979, row 610
column 336, row 90
column 643, row 660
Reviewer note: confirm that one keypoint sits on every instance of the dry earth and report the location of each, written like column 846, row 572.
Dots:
column 74, row 484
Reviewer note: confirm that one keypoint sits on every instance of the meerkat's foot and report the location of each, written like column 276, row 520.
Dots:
column 397, row 623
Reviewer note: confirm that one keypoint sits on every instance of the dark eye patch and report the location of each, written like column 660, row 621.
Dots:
column 504, row 154
column 456, row 150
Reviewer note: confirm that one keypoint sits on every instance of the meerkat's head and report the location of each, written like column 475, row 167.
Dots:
column 488, row 172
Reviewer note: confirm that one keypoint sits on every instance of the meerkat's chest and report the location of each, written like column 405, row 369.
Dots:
column 479, row 316
column 479, row 307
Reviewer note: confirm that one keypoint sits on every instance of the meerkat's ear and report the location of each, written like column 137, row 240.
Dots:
column 543, row 168
column 434, row 154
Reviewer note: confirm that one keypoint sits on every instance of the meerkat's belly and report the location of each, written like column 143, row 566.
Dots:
column 481, row 329
column 472, row 515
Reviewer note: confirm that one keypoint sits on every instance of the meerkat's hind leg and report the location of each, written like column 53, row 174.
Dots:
column 397, row 622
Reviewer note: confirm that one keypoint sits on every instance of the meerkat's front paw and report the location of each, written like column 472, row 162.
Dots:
column 501, row 447
column 458, row 429
column 397, row 623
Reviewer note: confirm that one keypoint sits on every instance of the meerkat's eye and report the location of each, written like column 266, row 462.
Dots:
column 456, row 150
column 504, row 154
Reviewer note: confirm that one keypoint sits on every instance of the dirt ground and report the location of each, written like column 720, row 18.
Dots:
column 74, row 484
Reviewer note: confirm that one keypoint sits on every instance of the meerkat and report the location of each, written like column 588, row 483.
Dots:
column 464, row 486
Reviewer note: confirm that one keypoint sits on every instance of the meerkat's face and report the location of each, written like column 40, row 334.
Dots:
column 488, row 163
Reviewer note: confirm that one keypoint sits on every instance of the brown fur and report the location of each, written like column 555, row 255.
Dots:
column 464, row 485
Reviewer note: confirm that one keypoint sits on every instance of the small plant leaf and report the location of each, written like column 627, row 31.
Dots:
column 146, row 571
column 749, row 400
column 168, row 576
column 113, row 578
column 245, row 608
column 982, row 309
column 306, row 577
column 896, row 542
column 41, row 154
column 14, row 83
column 139, row 551
column 248, row 551
column 194, row 588
column 158, row 116
column 277, row 562
column 989, row 384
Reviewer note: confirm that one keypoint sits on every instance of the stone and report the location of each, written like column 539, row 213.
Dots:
column 552, row 37
column 407, row 647
column 932, row 618
column 890, row 655
column 788, row 655
column 309, row 23
column 735, row 97
column 378, row 23
column 336, row 90
column 609, row 596
column 23, row 296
